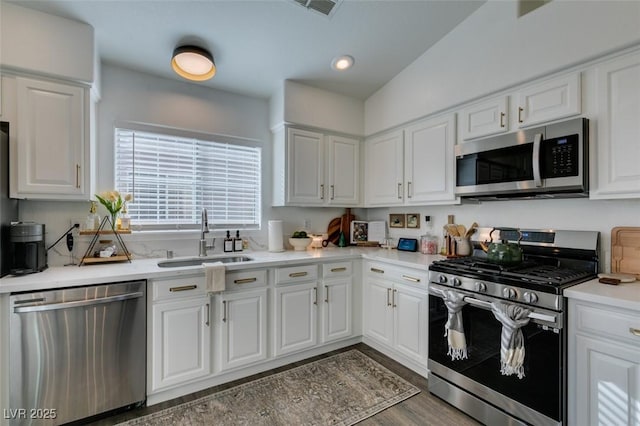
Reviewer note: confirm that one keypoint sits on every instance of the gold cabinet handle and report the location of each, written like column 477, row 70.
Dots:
column 322, row 191
column 394, row 298
column 377, row 271
column 183, row 288
column 298, row 274
column 502, row 119
column 520, row 109
column 326, row 294
column 78, row 176
column 208, row 313
column 388, row 297
column 412, row 279
column 399, row 191
column 333, row 191
column 315, row 299
column 245, row 280
column 409, row 190
column 224, row 311
column 342, row 269
column 634, row 331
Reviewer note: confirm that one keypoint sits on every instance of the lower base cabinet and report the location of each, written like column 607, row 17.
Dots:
column 180, row 333
column 336, row 309
column 296, row 312
column 604, row 365
column 242, row 321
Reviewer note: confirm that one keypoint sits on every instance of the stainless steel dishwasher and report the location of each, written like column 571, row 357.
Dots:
column 76, row 352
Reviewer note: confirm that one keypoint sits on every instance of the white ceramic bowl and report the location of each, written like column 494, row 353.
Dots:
column 300, row 244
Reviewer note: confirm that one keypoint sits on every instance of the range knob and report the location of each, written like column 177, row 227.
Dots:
column 509, row 293
column 442, row 279
column 457, row 282
column 481, row 287
column 530, row 297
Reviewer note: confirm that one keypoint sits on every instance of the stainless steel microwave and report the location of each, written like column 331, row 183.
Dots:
column 542, row 162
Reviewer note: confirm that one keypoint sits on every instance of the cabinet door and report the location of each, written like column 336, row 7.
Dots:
column 343, row 171
column 410, row 321
column 305, row 167
column 384, row 169
column 608, row 383
column 243, row 321
column 617, row 149
column 429, row 161
column 295, row 317
column 181, row 342
column 550, row 100
column 51, row 140
column 487, row 118
column 336, row 309
column 378, row 311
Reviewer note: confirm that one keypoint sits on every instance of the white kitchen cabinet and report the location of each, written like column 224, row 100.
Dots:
column 53, row 141
column 336, row 313
column 549, row 100
column 616, row 149
column 604, row 365
column 320, row 169
column 486, row 118
column 295, row 317
column 384, row 169
column 180, row 332
column 395, row 311
column 412, row 166
column 242, row 318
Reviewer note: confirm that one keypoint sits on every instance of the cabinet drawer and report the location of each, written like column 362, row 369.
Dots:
column 242, row 280
column 405, row 276
column 295, row 274
column 178, row 287
column 336, row 269
column 623, row 326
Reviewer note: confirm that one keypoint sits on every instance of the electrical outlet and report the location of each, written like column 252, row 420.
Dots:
column 306, row 224
column 79, row 220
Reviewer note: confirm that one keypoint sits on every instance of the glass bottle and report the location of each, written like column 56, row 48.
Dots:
column 125, row 220
column 228, row 243
column 428, row 241
column 92, row 222
column 237, row 242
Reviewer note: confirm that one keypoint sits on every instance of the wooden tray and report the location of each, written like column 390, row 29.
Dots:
column 625, row 250
column 117, row 258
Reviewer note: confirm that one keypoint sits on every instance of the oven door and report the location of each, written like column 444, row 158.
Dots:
column 539, row 397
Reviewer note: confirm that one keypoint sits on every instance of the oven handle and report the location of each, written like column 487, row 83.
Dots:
column 487, row 305
column 537, row 141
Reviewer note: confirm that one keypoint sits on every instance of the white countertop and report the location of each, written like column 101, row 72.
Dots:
column 623, row 295
column 72, row 276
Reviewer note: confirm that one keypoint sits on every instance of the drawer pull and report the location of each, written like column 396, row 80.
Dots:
column 224, row 311
column 377, row 271
column 338, row 269
column 412, row 279
column 245, row 280
column 298, row 274
column 634, row 331
column 183, row 288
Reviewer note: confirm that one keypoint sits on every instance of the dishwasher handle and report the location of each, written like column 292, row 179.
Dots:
column 77, row 303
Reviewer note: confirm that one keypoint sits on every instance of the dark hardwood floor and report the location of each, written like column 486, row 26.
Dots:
column 421, row 409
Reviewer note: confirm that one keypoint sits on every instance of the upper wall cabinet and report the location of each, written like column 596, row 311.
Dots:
column 52, row 141
column 315, row 169
column 542, row 102
column 412, row 166
column 617, row 149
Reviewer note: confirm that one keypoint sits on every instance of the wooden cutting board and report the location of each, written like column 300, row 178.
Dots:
column 625, row 250
column 342, row 223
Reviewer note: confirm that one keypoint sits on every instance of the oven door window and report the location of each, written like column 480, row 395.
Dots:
column 511, row 164
column 540, row 389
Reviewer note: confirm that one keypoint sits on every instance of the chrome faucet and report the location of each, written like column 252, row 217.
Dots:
column 204, row 229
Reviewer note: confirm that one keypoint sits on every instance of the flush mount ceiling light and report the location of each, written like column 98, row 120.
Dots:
column 342, row 63
column 193, row 63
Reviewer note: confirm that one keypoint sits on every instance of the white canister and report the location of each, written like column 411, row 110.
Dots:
column 276, row 243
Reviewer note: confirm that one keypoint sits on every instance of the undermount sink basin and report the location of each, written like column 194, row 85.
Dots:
column 194, row 261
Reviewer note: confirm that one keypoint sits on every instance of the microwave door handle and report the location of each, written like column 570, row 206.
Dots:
column 537, row 142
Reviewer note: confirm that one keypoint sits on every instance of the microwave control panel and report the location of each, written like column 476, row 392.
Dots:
column 559, row 157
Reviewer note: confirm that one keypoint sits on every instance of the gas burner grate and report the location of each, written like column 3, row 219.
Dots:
column 548, row 274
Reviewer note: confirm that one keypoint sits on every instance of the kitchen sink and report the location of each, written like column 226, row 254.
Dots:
column 194, row 261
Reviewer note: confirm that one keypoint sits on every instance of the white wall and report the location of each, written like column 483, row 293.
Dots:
column 132, row 96
column 493, row 50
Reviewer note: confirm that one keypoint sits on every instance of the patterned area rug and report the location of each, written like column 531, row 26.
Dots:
column 339, row 390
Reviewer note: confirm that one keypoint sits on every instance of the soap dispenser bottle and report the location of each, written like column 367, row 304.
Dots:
column 237, row 242
column 228, row 243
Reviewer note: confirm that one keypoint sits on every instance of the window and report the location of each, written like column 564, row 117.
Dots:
column 173, row 177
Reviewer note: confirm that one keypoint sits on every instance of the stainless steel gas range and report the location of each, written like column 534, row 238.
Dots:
column 497, row 334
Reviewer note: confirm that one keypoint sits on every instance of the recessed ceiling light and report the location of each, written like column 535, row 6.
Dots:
column 342, row 63
column 193, row 63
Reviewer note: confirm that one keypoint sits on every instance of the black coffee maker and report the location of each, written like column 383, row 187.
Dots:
column 29, row 253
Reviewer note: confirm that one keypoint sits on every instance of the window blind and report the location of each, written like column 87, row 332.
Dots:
column 172, row 178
